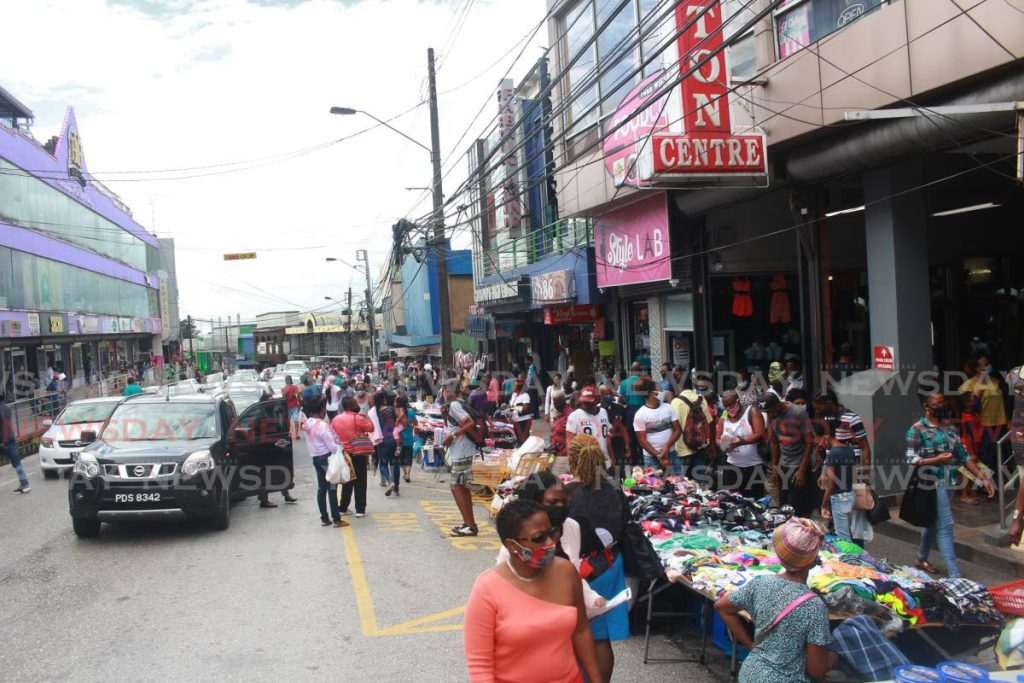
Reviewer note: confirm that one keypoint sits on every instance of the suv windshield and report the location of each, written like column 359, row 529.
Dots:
column 78, row 413
column 244, row 399
column 163, row 421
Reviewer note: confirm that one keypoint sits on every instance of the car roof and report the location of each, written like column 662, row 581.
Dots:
column 98, row 399
column 174, row 398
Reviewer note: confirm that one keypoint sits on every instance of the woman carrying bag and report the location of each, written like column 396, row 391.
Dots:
column 353, row 430
column 321, row 442
column 935, row 452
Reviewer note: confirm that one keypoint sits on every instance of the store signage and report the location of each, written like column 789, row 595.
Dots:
column 480, row 326
column 240, row 256
column 33, row 325
column 628, row 130
column 632, row 243
column 90, row 324
column 885, row 358
column 10, row 328
column 711, row 153
column 261, row 348
column 499, row 291
column 553, row 288
column 57, row 324
column 510, row 209
column 571, row 315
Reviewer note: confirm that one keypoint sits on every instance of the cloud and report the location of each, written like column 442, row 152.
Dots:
column 185, row 84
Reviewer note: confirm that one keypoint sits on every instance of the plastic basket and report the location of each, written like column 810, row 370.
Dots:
column 1009, row 598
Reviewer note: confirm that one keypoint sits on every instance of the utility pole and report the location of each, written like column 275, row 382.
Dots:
column 372, row 326
column 350, row 325
column 191, row 350
column 227, row 341
column 439, row 241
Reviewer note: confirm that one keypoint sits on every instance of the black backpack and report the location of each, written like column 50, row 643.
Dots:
column 478, row 434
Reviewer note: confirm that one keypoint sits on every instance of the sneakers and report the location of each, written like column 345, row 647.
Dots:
column 360, row 514
column 23, row 489
column 391, row 489
column 464, row 530
column 408, row 480
column 344, row 513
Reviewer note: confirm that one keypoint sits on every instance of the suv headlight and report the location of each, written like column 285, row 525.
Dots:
column 87, row 466
column 200, row 461
column 46, row 442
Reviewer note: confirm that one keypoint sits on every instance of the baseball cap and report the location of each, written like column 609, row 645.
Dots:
column 768, row 400
column 588, row 395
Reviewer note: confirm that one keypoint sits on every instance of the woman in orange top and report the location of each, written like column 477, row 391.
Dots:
column 353, row 430
column 525, row 619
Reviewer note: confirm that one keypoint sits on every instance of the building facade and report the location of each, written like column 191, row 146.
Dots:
column 79, row 276
column 885, row 188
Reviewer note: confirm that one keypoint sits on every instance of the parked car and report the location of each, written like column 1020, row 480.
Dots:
column 62, row 439
column 245, row 394
column 245, row 376
column 296, row 368
column 277, row 383
column 185, row 456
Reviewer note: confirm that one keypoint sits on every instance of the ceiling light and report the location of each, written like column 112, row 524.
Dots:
column 966, row 209
column 840, row 212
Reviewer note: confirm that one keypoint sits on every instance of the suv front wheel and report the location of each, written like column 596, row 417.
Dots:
column 86, row 528
column 222, row 519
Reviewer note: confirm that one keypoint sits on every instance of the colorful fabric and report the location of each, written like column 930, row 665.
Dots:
column 1010, row 648
column 863, row 646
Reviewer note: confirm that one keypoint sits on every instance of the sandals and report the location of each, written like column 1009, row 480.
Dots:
column 925, row 565
column 464, row 530
column 340, row 523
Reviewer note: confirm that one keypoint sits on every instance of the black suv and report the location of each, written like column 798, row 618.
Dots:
column 180, row 455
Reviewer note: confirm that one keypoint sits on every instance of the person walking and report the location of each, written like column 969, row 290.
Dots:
column 986, row 391
column 549, row 409
column 791, row 632
column 460, row 452
column 332, row 396
column 406, row 419
column 291, row 401
column 837, row 476
column 10, row 441
column 740, row 429
column 492, row 394
column 133, row 387
column 597, row 503
column 590, row 419
column 694, row 447
column 321, row 442
column 387, row 449
column 526, row 619
column 633, row 402
column 373, row 414
column 792, row 446
column 933, row 442
column 353, row 430
column 657, row 429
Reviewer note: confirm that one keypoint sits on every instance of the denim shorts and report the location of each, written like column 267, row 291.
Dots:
column 293, row 414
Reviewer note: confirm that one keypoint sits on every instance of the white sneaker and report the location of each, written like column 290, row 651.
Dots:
column 23, row 489
column 360, row 514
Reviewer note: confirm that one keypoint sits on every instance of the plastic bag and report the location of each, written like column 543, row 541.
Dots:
column 860, row 526
column 339, row 467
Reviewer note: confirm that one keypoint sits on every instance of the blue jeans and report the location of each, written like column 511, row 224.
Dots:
column 326, row 492
column 390, row 463
column 941, row 532
column 652, row 463
column 842, row 510
column 12, row 455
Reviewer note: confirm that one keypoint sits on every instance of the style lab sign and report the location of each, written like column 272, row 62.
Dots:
column 706, row 146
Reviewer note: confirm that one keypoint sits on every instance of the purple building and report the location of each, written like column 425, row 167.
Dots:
column 79, row 290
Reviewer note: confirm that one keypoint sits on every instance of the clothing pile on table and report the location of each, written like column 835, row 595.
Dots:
column 719, row 540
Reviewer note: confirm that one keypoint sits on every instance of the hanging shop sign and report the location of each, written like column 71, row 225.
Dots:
column 480, row 326
column 510, row 210
column 33, row 325
column 571, row 315
column 57, row 324
column 632, row 243
column 558, row 287
column 500, row 292
column 703, row 150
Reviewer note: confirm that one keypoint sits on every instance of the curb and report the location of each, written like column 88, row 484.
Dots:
column 1005, row 561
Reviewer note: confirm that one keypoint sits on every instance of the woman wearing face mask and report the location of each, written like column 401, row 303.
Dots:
column 744, row 390
column 934, row 442
column 596, row 502
column 983, row 386
column 545, row 489
column 525, row 619
column 522, row 411
column 739, row 431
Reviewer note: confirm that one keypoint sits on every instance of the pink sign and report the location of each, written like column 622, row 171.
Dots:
column 631, row 244
column 624, row 136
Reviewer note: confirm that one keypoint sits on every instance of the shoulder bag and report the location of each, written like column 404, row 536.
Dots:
column 639, row 558
column 919, row 500
column 782, row 615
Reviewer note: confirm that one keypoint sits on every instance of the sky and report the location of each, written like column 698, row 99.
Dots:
column 206, row 84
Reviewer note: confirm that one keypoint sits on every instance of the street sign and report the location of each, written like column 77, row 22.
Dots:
column 885, row 358
column 240, row 256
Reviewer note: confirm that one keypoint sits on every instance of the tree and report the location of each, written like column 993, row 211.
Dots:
column 188, row 328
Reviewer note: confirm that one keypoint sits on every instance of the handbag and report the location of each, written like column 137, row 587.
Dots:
column 863, row 499
column 919, row 501
column 639, row 558
column 879, row 512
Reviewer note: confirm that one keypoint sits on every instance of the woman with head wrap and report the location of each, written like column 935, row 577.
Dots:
column 791, row 633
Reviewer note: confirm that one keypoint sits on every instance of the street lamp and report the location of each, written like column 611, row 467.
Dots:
column 362, row 255
column 348, row 111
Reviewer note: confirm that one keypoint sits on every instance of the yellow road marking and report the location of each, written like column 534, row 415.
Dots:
column 364, row 601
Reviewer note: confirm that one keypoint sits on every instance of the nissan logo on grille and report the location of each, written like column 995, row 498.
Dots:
column 79, row 444
column 139, row 470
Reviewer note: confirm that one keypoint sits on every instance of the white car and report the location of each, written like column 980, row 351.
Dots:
column 277, row 383
column 296, row 368
column 62, row 440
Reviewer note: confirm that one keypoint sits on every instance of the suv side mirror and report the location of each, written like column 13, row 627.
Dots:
column 87, row 437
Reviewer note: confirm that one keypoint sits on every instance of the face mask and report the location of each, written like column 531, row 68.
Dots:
column 990, row 371
column 557, row 514
column 607, row 400
column 733, row 410
column 742, row 386
column 538, row 558
column 703, row 392
column 942, row 413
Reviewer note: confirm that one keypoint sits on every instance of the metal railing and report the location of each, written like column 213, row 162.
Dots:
column 1001, row 476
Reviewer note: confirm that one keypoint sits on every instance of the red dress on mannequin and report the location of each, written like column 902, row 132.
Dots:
column 742, row 304
column 779, row 313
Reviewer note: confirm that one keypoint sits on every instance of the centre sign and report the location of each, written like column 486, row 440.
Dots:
column 704, row 148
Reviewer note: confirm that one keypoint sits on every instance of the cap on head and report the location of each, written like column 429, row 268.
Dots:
column 826, row 396
column 768, row 401
column 588, row 395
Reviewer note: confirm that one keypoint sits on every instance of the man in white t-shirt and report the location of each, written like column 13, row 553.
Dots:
column 592, row 420
column 657, row 429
